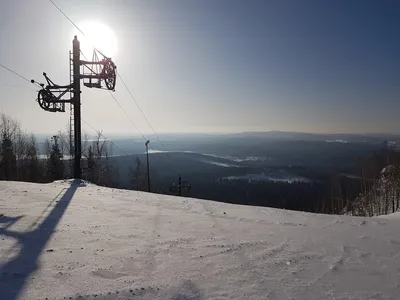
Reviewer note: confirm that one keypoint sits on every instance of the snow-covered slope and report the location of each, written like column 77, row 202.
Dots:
column 80, row 241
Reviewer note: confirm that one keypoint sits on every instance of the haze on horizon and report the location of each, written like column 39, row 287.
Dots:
column 214, row 66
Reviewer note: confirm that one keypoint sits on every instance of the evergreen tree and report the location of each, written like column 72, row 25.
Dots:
column 33, row 172
column 55, row 164
column 8, row 162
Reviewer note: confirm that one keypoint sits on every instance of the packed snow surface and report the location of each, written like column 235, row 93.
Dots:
column 71, row 240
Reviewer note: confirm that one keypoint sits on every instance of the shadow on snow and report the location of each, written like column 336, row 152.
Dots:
column 15, row 273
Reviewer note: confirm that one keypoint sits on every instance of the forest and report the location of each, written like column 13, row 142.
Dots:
column 373, row 189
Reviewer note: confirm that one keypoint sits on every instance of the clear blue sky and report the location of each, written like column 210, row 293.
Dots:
column 216, row 65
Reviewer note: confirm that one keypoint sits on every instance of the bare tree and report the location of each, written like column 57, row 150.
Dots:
column 85, row 145
column 9, row 129
column 9, row 126
column 100, row 152
column 21, row 147
column 47, row 148
column 97, row 154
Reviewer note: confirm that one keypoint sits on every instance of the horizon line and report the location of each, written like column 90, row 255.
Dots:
column 235, row 133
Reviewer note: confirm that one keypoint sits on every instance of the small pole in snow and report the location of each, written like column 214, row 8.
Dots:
column 180, row 186
column 177, row 188
column 148, row 167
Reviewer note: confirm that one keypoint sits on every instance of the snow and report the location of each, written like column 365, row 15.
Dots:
column 392, row 216
column 70, row 240
column 226, row 157
column 220, row 164
column 337, row 141
column 265, row 177
column 236, row 159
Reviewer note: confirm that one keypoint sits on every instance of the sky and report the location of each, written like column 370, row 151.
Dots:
column 212, row 65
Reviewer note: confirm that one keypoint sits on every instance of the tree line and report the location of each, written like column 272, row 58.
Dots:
column 375, row 190
column 21, row 160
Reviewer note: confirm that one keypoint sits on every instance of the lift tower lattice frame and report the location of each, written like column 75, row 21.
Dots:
column 52, row 97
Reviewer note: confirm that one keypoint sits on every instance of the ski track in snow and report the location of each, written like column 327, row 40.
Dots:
column 64, row 241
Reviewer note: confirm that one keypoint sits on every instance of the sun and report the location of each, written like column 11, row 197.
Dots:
column 99, row 35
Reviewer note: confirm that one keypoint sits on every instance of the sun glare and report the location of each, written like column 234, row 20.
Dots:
column 99, row 35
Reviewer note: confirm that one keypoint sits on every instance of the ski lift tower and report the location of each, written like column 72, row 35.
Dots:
column 53, row 98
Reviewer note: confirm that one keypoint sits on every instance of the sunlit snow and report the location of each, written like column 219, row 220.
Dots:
column 70, row 240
